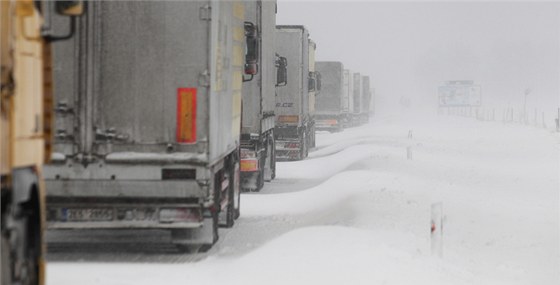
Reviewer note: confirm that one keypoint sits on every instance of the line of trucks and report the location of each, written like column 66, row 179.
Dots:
column 128, row 116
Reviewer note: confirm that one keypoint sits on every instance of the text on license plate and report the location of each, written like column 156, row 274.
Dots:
column 89, row 214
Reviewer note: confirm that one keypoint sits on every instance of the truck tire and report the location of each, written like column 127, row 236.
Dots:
column 230, row 210
column 237, row 190
column 32, row 220
column 6, row 259
column 260, row 178
column 272, row 157
column 304, row 151
column 270, row 161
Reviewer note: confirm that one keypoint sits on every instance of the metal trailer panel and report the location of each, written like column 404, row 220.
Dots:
column 329, row 101
column 293, row 99
column 366, row 94
column 344, row 100
column 118, row 97
column 259, row 94
column 348, row 99
column 120, row 93
column 357, row 93
column 312, row 94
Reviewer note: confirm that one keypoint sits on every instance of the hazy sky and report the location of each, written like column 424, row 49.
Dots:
column 410, row 48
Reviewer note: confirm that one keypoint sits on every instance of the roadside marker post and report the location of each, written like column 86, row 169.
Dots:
column 436, row 229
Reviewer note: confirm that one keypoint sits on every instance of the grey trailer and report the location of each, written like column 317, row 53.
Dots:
column 295, row 127
column 258, row 162
column 357, row 87
column 330, row 107
column 148, row 120
column 347, row 98
column 366, row 100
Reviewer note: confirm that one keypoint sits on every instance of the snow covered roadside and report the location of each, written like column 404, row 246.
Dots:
column 368, row 221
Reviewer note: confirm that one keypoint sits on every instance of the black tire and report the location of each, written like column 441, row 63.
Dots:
column 6, row 260
column 33, row 248
column 215, row 225
column 303, row 151
column 236, row 183
column 230, row 211
column 272, row 157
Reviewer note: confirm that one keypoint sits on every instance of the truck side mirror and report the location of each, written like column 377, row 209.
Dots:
column 69, row 8
column 72, row 9
column 311, row 86
column 319, row 81
column 252, row 51
column 282, row 71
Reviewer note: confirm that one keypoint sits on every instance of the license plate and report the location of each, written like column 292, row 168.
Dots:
column 89, row 214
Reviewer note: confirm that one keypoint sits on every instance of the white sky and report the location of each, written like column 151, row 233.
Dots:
column 410, row 48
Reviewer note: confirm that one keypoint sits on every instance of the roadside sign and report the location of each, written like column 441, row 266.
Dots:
column 459, row 93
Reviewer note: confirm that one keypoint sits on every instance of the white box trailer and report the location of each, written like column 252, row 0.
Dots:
column 330, row 107
column 366, row 100
column 357, row 110
column 348, row 98
column 148, row 119
column 295, row 125
column 258, row 162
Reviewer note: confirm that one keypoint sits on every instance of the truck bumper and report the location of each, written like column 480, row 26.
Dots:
column 288, row 150
column 189, row 236
column 116, row 204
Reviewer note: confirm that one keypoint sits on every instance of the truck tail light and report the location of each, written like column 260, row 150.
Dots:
column 250, row 165
column 291, row 145
column 288, row 119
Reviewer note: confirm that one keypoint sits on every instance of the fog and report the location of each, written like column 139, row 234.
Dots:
column 409, row 49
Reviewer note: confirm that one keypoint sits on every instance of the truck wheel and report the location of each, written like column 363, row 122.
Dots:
column 236, row 191
column 303, row 147
column 230, row 210
column 215, row 225
column 32, row 228
column 6, row 260
column 260, row 178
column 273, row 158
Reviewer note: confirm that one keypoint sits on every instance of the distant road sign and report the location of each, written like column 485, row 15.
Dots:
column 457, row 93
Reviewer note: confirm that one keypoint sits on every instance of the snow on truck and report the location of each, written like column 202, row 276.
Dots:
column 148, row 120
column 295, row 102
column 330, row 107
column 258, row 149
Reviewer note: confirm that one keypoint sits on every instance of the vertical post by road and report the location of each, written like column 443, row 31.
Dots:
column 543, row 122
column 558, row 121
column 535, row 122
column 436, row 229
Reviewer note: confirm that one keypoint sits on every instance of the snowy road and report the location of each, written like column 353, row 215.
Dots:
column 358, row 211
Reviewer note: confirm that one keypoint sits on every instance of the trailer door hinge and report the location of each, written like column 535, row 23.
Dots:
column 204, row 79
column 205, row 13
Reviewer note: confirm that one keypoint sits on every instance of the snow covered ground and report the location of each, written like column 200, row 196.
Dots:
column 358, row 211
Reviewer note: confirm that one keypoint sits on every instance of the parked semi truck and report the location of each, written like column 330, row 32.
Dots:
column 295, row 126
column 347, row 98
column 366, row 100
column 148, row 120
column 258, row 149
column 358, row 99
column 330, row 105
column 25, row 131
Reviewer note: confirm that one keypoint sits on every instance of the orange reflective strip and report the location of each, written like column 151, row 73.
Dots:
column 249, row 165
column 186, row 115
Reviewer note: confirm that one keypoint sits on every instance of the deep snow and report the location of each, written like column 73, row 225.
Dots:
column 358, row 211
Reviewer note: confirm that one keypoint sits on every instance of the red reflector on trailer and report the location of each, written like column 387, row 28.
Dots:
column 186, row 115
column 249, row 165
